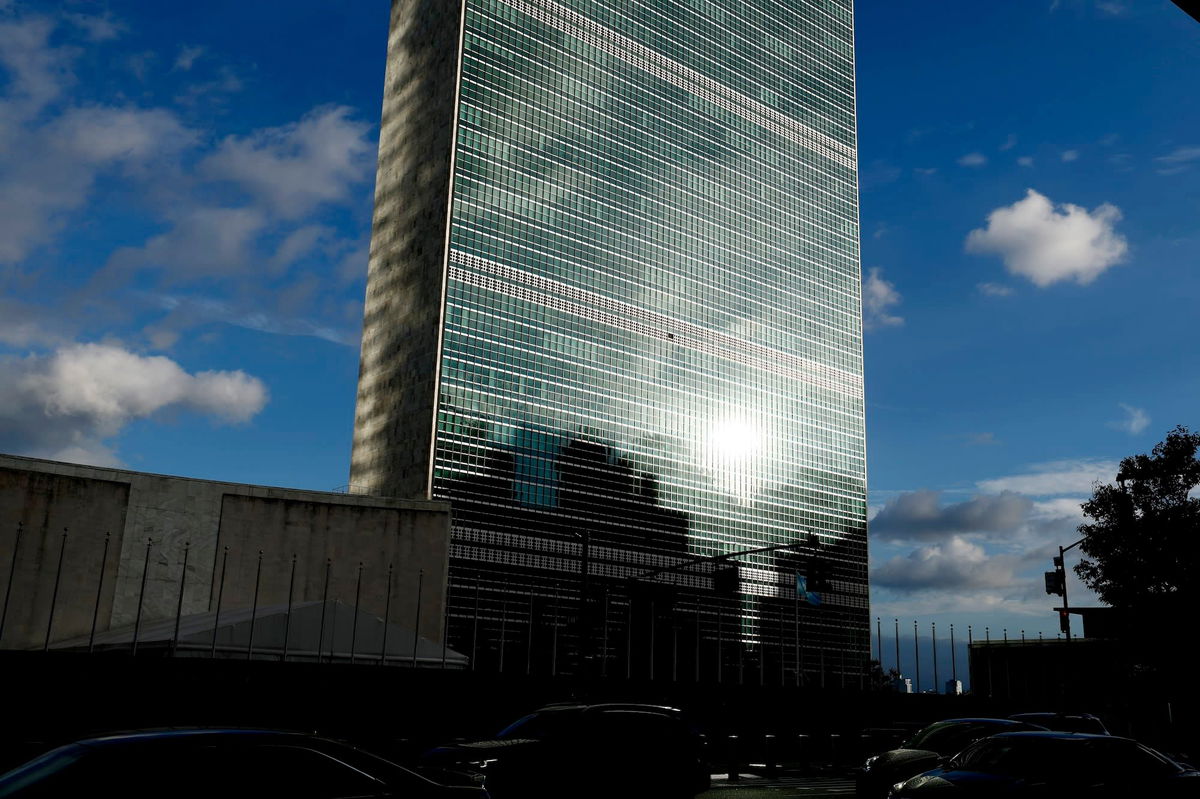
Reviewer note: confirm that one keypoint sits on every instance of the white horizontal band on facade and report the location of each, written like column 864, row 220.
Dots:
column 636, row 54
column 625, row 316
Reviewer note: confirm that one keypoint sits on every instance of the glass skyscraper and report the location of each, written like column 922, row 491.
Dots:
column 614, row 315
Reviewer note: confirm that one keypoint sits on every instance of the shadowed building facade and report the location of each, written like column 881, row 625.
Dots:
column 613, row 314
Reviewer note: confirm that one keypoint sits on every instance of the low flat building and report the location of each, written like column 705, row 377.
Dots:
column 86, row 551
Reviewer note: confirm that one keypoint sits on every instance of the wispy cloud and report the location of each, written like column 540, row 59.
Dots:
column 995, row 289
column 187, row 57
column 973, row 159
column 1178, row 160
column 1136, row 420
column 1055, row 478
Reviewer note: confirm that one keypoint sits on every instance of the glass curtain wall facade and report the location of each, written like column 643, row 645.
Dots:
column 650, row 341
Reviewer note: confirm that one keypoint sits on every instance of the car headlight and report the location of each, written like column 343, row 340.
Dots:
column 871, row 761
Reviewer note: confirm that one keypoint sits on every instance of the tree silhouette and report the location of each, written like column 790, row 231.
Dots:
column 1143, row 545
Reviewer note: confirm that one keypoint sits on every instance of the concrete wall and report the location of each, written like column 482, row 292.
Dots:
column 203, row 520
column 40, row 512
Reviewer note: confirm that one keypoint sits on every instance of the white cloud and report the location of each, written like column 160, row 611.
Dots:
column 65, row 405
column 245, row 220
column 204, row 243
column 1055, row 478
column 51, row 156
column 294, row 168
column 879, row 297
column 103, row 134
column 1057, row 509
column 1136, row 420
column 1009, row 142
column 952, row 564
column 300, row 243
column 1070, row 155
column 50, row 170
column 1025, row 160
column 38, row 73
column 1048, row 244
column 973, row 159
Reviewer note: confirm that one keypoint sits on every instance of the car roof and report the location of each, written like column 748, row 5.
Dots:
column 603, row 706
column 1061, row 736
column 977, row 720
column 179, row 734
column 1046, row 714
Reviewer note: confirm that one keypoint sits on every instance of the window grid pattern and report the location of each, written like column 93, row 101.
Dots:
column 652, row 326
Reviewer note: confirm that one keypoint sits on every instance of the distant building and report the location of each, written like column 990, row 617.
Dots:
column 613, row 314
column 954, row 687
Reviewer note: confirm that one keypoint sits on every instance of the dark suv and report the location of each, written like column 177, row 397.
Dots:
column 586, row 750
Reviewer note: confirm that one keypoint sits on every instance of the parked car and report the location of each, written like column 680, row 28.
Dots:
column 1054, row 764
column 190, row 764
column 1064, row 722
column 924, row 751
column 586, row 750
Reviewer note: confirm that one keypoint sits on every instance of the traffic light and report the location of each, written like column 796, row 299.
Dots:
column 1064, row 621
column 1054, row 582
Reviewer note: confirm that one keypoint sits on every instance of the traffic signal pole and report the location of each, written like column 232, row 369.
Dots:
column 1062, row 565
column 1058, row 585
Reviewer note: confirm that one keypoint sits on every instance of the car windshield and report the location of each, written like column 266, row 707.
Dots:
column 1010, row 756
column 36, row 770
column 949, row 737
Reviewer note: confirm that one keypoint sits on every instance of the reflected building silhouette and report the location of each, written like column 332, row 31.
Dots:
column 613, row 314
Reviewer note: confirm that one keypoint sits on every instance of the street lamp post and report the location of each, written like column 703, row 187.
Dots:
column 585, row 557
column 651, row 574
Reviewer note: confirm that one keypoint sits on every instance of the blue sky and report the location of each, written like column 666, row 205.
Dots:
column 185, row 196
